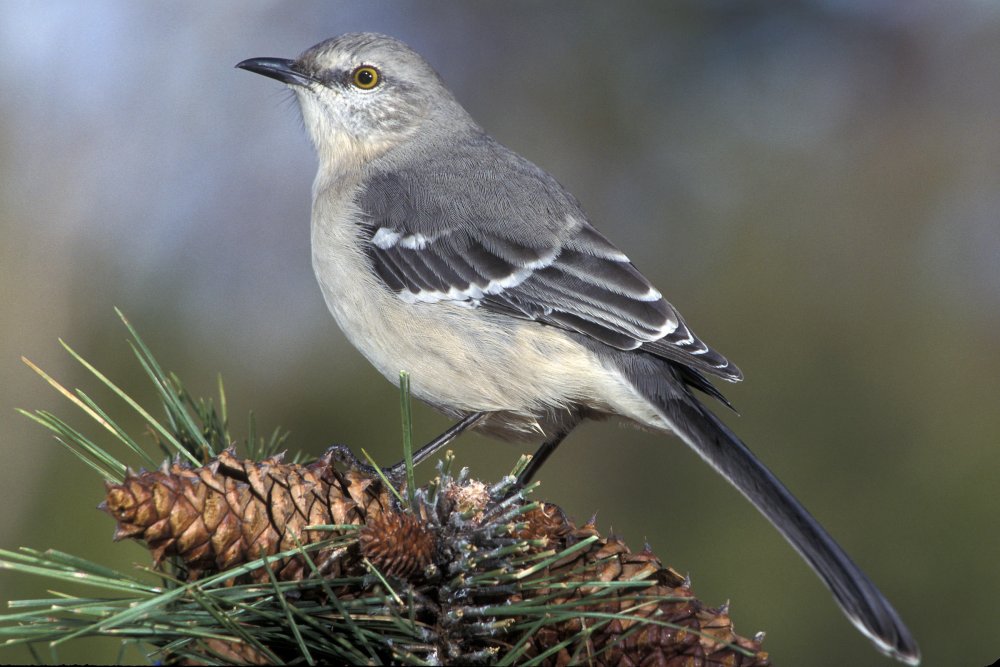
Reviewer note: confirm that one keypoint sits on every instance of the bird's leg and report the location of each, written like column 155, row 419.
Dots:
column 540, row 456
column 437, row 443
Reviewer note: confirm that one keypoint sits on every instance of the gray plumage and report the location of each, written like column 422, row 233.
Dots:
column 441, row 252
column 436, row 234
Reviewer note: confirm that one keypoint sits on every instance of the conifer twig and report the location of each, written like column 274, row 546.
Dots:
column 263, row 561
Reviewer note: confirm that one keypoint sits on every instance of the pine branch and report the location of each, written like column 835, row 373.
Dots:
column 262, row 561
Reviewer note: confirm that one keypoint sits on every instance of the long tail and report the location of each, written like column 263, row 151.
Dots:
column 861, row 601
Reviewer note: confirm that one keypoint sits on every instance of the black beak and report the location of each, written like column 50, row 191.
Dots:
column 282, row 69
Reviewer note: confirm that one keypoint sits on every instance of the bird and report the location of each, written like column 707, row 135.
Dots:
column 442, row 252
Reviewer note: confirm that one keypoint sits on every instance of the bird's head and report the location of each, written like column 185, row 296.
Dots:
column 362, row 94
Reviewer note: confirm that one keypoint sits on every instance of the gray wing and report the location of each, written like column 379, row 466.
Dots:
column 488, row 229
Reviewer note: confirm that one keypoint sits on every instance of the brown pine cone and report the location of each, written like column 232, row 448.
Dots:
column 233, row 511
column 399, row 544
column 680, row 630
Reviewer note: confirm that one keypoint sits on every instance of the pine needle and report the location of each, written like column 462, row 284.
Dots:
column 406, row 410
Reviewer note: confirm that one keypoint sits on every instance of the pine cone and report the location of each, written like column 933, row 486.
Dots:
column 399, row 544
column 231, row 512
column 683, row 632
column 232, row 652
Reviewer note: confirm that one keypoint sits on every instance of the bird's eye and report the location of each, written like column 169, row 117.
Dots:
column 365, row 77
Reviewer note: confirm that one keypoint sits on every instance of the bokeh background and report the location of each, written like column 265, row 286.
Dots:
column 816, row 185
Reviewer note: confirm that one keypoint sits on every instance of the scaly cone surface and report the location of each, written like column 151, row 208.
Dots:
column 233, row 511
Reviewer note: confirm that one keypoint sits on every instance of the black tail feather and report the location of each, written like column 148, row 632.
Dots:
column 860, row 600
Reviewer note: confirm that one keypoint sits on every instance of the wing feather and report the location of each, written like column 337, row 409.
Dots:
column 430, row 238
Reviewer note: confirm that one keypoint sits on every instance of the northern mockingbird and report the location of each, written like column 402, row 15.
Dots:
column 441, row 252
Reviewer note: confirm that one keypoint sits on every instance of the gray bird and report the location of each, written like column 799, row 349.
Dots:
column 441, row 252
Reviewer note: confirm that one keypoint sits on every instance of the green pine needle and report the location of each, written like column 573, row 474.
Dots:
column 381, row 475
column 406, row 409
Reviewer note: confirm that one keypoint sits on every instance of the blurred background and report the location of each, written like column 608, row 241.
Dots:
column 815, row 185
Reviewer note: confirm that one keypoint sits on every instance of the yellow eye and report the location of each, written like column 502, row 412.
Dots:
column 365, row 77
